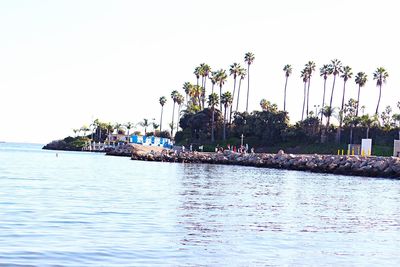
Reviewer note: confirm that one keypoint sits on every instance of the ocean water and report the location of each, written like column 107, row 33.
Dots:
column 84, row 209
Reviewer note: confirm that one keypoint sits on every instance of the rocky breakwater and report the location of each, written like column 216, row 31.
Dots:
column 128, row 150
column 346, row 165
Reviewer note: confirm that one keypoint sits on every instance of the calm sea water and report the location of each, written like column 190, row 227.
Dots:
column 82, row 209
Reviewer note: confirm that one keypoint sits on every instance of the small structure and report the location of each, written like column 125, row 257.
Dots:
column 396, row 148
column 366, row 147
column 151, row 141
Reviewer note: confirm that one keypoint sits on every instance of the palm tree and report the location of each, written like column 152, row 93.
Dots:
column 380, row 75
column 226, row 101
column 346, row 75
column 248, row 58
column 304, row 76
column 75, row 131
column 213, row 100
column 213, row 79
column 324, row 71
column 186, row 87
column 179, row 100
column 268, row 106
column 242, row 73
column 162, row 101
column 197, row 74
column 310, row 67
column 195, row 94
column 128, row 126
column 145, row 123
column 221, row 79
column 288, row 71
column 174, row 96
column 234, row 71
column 204, row 72
column 336, row 68
column 360, row 79
column 369, row 121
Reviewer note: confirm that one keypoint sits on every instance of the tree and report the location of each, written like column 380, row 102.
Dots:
column 346, row 75
column 310, row 68
column 234, row 71
column 197, row 74
column 380, row 75
column 386, row 117
column 324, row 71
column 288, row 71
column 360, row 79
column 213, row 100
column 128, row 126
column 213, row 79
column 145, row 123
column 174, row 97
column 226, row 101
column 369, row 121
column 350, row 118
column 396, row 118
column 179, row 100
column 336, row 68
column 75, row 131
column 242, row 74
column 268, row 106
column 187, row 86
column 221, row 79
column 249, row 59
column 304, row 76
column 162, row 101
column 204, row 72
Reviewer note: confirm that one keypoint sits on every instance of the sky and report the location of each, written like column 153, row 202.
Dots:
column 65, row 63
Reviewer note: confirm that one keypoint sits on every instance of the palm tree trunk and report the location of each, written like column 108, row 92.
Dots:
column 220, row 95
column 341, row 109
column 304, row 100
column 238, row 96
column 177, row 123
column 284, row 95
column 224, row 129
column 323, row 99
column 162, row 109
column 202, row 93
column 212, row 88
column 233, row 97
column 248, row 87
column 358, row 100
column 379, row 99
column 172, row 124
column 308, row 95
column 212, row 124
column 330, row 103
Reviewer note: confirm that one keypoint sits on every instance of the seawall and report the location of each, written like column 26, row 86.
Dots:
column 346, row 165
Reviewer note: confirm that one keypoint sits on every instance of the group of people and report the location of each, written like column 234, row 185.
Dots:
column 240, row 149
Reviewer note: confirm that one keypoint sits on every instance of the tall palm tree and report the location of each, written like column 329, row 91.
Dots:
column 242, row 74
column 162, row 101
column 195, row 94
column 174, row 97
column 145, row 123
column 360, row 79
column 213, row 79
column 249, row 59
column 368, row 121
column 213, row 100
column 324, row 71
column 205, row 71
column 310, row 67
column 234, row 71
column 304, row 76
column 221, row 79
column 179, row 100
column 288, row 71
column 346, row 75
column 196, row 72
column 336, row 67
column 226, row 101
column 380, row 75
column 186, row 87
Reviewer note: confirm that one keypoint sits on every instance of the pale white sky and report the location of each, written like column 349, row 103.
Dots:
column 63, row 63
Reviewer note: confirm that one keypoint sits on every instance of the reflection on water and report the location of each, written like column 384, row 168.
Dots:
column 82, row 209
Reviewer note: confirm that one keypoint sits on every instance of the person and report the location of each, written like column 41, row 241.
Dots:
column 252, row 150
column 234, row 148
column 183, row 148
column 191, row 148
column 229, row 147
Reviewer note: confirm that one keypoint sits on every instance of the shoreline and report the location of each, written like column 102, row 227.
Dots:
column 385, row 167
